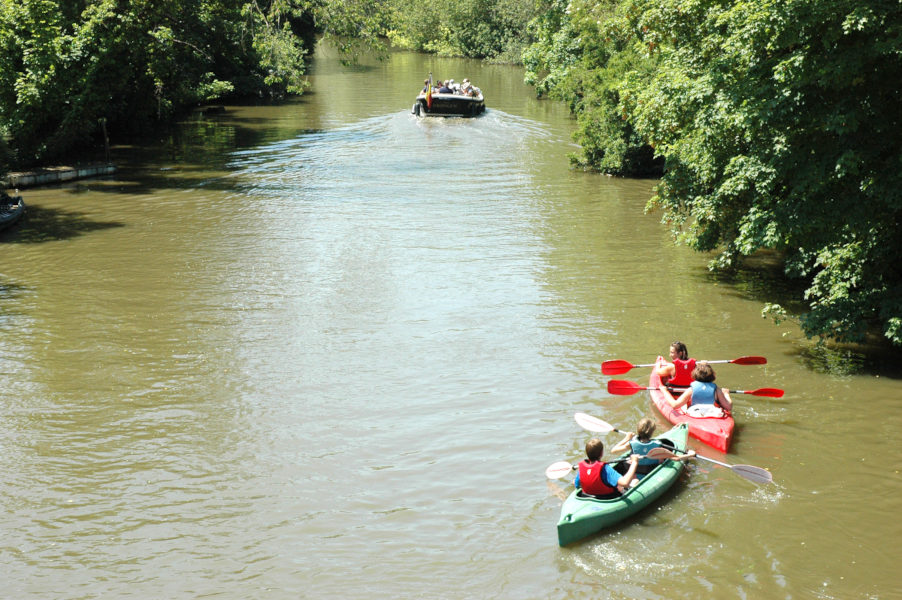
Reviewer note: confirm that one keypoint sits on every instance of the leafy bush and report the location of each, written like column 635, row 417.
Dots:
column 581, row 55
column 778, row 123
column 493, row 29
column 65, row 66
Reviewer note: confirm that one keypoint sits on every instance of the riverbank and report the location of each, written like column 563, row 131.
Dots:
column 51, row 175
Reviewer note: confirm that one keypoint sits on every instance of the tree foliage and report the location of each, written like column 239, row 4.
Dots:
column 779, row 122
column 582, row 52
column 65, row 66
column 493, row 29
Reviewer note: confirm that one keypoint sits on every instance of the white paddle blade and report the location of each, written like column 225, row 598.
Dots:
column 590, row 423
column 752, row 473
column 558, row 470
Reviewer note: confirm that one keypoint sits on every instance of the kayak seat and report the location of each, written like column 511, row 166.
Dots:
column 645, row 469
column 582, row 494
column 623, row 466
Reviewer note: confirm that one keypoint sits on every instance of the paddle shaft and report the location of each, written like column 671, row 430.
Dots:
column 627, row 388
column 658, row 454
column 618, row 367
column 766, row 392
column 716, row 462
column 750, row 472
column 664, row 453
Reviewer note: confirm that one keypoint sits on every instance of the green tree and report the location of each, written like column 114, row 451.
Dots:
column 65, row 66
column 582, row 52
column 492, row 29
column 780, row 122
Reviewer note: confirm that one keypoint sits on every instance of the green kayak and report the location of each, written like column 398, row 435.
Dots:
column 583, row 515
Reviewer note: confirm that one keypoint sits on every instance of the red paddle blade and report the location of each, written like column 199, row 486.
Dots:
column 749, row 360
column 769, row 392
column 615, row 367
column 621, row 387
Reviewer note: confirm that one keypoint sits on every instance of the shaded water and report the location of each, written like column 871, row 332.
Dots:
column 326, row 349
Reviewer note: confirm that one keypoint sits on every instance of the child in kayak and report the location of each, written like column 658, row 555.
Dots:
column 678, row 372
column 599, row 478
column 706, row 399
column 640, row 443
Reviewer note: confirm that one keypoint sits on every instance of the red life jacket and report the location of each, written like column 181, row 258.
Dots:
column 591, row 480
column 682, row 372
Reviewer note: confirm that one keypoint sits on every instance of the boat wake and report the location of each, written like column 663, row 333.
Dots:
column 398, row 157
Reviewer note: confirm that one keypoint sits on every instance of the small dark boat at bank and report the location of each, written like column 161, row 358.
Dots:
column 463, row 102
column 11, row 210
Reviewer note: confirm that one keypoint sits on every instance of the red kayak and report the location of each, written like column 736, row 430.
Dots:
column 717, row 432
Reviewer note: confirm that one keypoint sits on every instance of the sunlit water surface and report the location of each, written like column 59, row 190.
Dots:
column 326, row 349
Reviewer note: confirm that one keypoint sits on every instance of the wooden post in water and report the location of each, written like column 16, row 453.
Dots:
column 106, row 140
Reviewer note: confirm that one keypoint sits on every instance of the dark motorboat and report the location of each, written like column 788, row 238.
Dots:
column 463, row 102
column 449, row 105
column 11, row 210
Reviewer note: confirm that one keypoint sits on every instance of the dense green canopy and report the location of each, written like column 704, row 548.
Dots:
column 582, row 54
column 66, row 66
column 779, row 122
column 489, row 29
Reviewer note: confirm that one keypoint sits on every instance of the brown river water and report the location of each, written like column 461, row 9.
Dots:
column 327, row 350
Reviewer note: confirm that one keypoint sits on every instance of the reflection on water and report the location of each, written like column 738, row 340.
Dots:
column 328, row 349
column 43, row 225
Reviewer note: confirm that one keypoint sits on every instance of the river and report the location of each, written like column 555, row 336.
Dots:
column 325, row 349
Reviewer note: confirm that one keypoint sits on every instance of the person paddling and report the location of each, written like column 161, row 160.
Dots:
column 678, row 372
column 599, row 478
column 706, row 399
column 641, row 443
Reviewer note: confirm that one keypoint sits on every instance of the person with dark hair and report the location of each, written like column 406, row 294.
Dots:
column 641, row 443
column 678, row 372
column 599, row 478
column 704, row 397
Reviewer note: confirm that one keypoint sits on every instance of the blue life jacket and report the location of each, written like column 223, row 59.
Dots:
column 643, row 448
column 703, row 393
